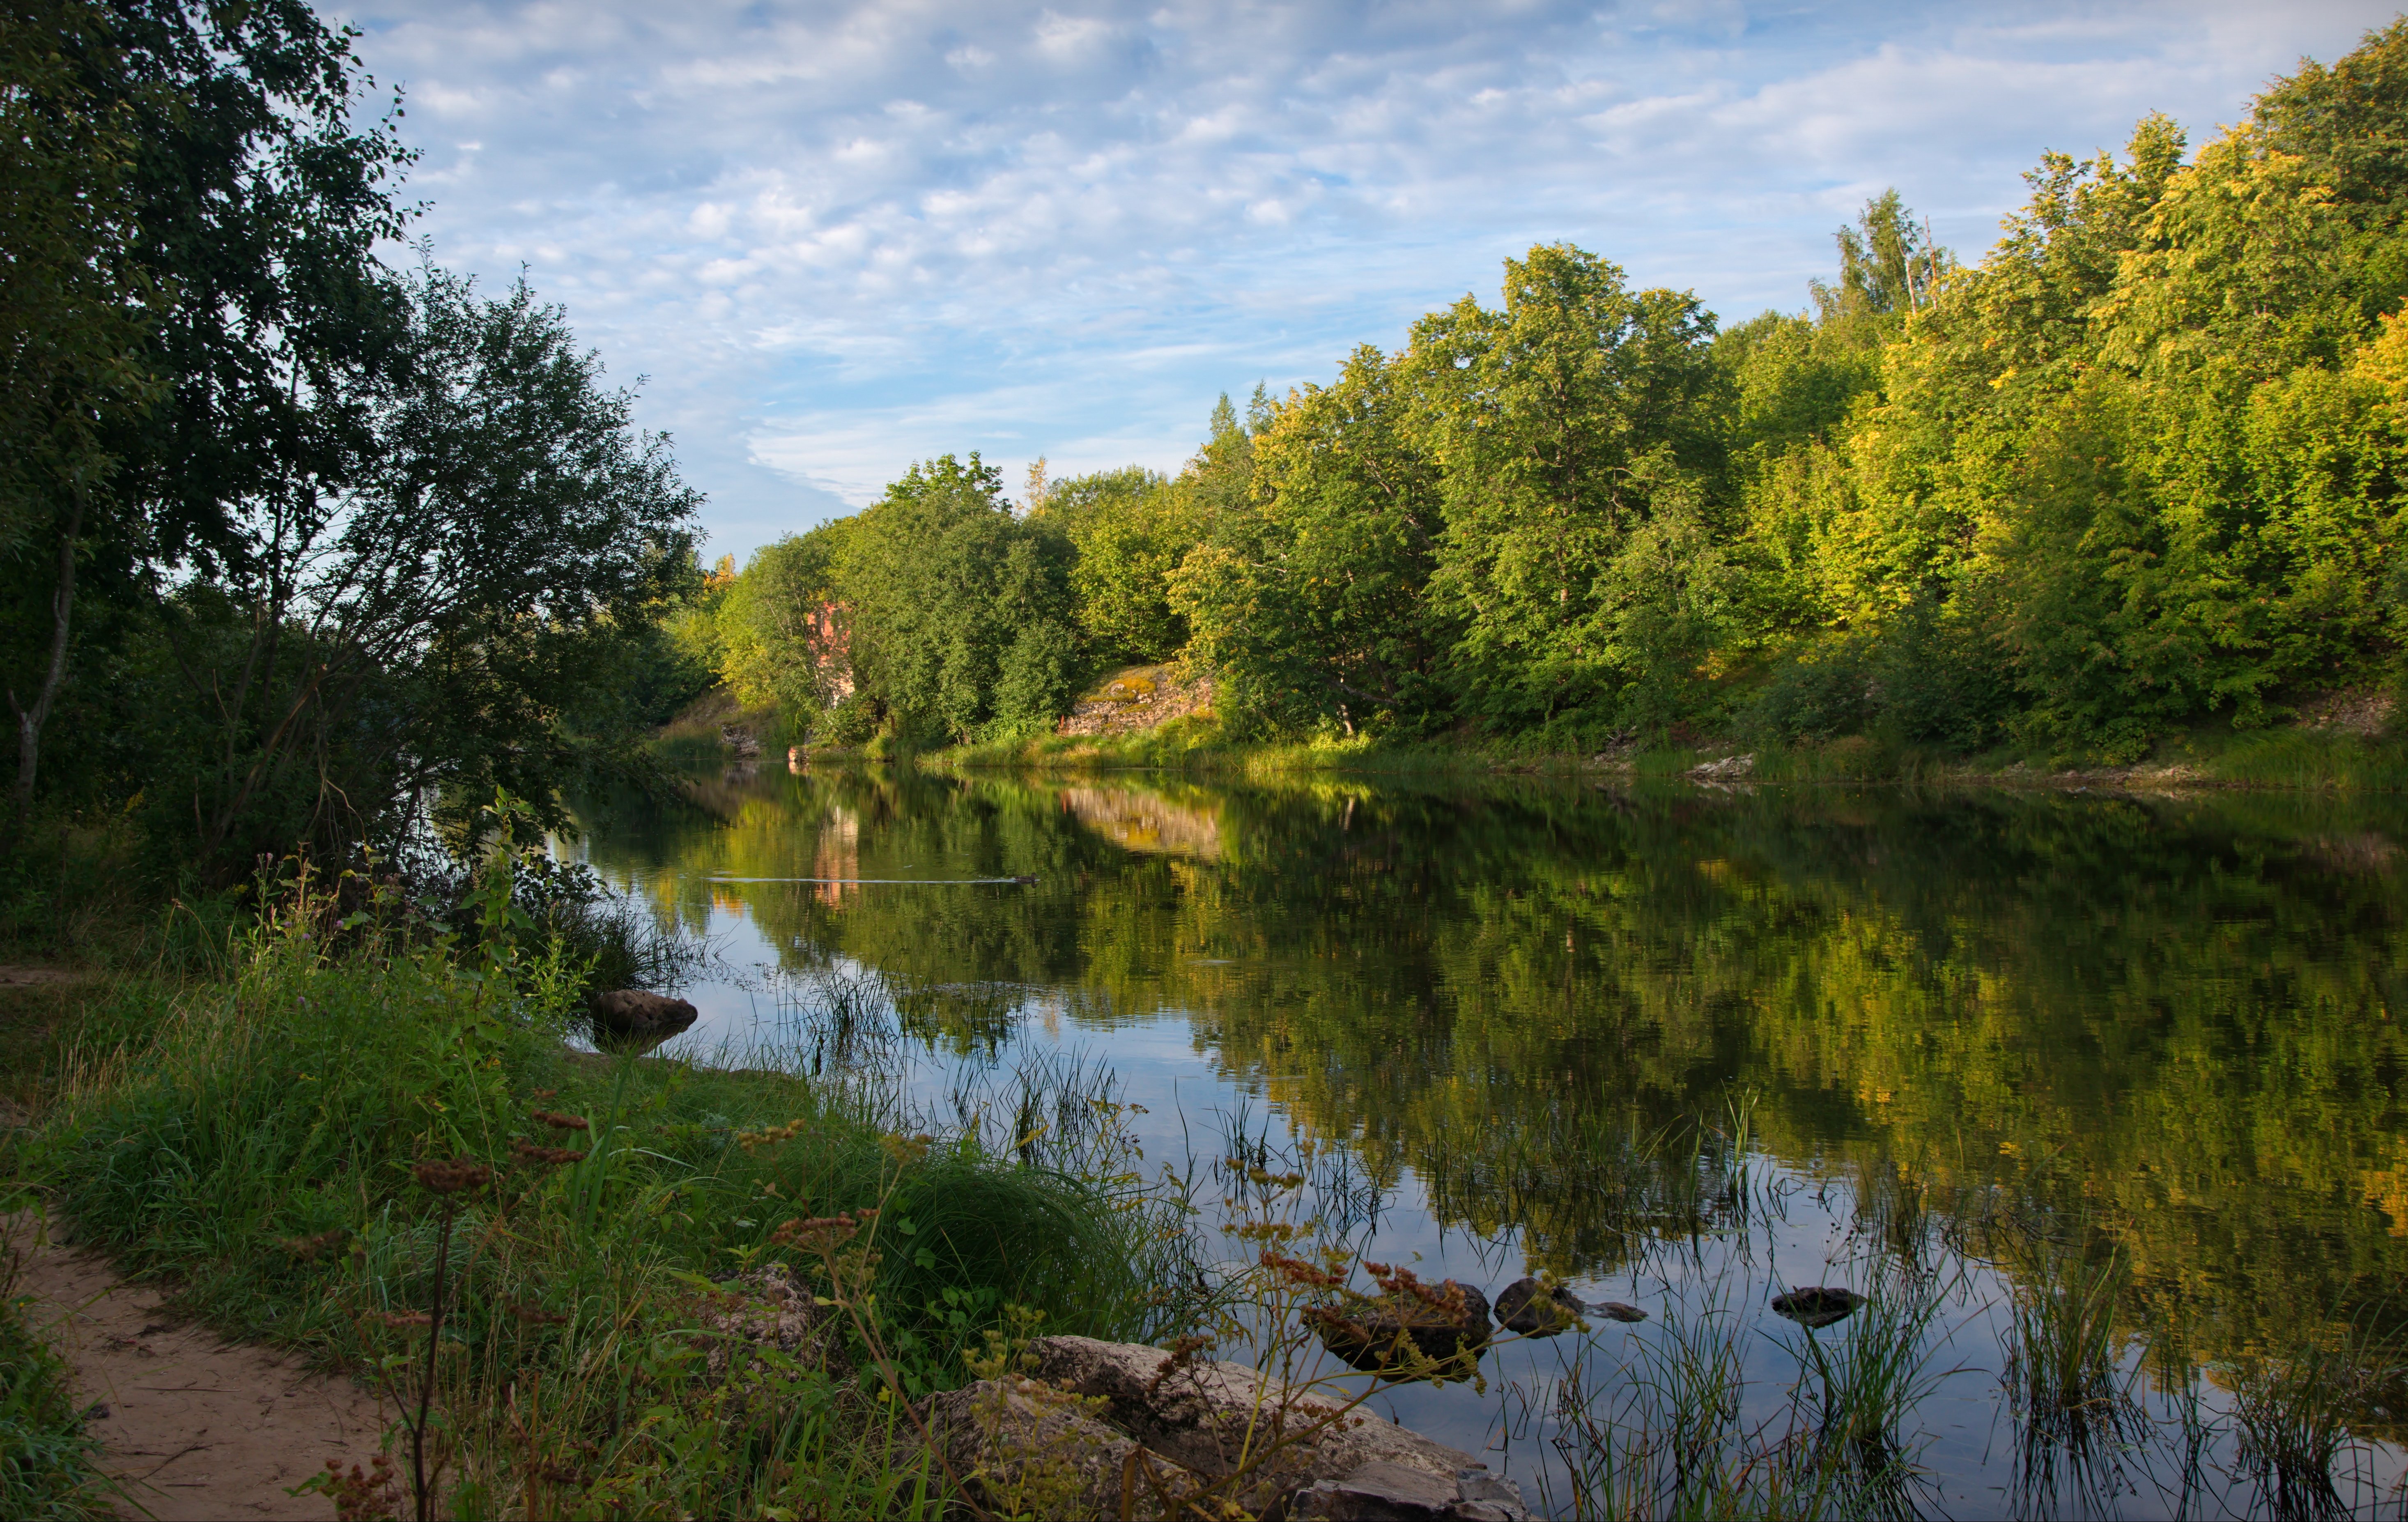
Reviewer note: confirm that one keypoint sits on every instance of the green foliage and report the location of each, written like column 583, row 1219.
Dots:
column 960, row 614
column 1310, row 601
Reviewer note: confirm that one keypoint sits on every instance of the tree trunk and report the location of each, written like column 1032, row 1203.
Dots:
column 30, row 721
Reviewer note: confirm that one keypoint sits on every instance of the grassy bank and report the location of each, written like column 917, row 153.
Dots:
column 604, row 1281
column 2288, row 757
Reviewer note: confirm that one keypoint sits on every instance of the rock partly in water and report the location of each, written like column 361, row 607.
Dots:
column 630, row 1018
column 1617, row 1310
column 1447, row 1322
column 1819, row 1305
column 1392, row 1493
column 1528, row 1306
column 1206, row 1418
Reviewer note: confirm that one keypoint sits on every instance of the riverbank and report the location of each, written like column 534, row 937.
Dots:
column 611, row 1285
column 2300, row 756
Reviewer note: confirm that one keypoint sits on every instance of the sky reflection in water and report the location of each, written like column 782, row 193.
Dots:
column 2148, row 1034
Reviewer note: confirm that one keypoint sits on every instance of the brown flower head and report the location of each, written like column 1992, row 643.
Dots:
column 561, row 1123
column 449, row 1178
column 531, row 1155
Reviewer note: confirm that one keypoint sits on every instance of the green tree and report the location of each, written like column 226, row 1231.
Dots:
column 1309, row 602
column 1557, row 424
column 961, row 619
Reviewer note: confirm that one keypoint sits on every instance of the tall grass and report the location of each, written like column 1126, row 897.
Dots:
column 260, row 1141
column 46, row 1457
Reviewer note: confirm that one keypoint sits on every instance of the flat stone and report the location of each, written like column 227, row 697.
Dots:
column 1018, row 1448
column 1392, row 1493
column 1213, row 1418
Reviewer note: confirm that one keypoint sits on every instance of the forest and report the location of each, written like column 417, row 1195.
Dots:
column 303, row 547
column 2137, row 469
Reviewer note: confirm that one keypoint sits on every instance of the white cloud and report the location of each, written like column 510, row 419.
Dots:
column 838, row 237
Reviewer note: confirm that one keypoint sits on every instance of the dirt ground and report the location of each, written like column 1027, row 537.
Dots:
column 193, row 1425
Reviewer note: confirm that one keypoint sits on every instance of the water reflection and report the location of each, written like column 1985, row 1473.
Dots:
column 2155, row 1032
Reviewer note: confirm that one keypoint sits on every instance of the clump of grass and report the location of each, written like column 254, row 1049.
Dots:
column 47, row 1469
column 2294, row 1414
column 264, row 1139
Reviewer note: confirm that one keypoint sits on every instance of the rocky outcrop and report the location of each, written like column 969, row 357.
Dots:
column 1090, row 1420
column 761, row 1310
column 739, row 739
column 1019, row 1447
column 1140, row 697
column 631, row 1017
column 1391, row 1493
column 1730, row 768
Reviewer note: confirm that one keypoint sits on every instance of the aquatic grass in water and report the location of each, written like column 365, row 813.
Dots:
column 2295, row 1412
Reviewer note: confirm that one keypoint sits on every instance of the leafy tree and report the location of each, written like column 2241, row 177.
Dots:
column 1558, row 425
column 1310, row 602
column 74, row 314
column 960, row 614
column 780, row 626
column 1128, row 529
column 423, row 629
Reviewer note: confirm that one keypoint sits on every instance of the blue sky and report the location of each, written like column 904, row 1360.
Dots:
column 839, row 238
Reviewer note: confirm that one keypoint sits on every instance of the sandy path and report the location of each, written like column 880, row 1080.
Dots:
column 196, row 1426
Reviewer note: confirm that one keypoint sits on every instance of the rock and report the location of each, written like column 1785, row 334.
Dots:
column 766, row 1309
column 630, row 1016
column 738, row 740
column 1819, row 1305
column 1527, row 1306
column 1022, row 1449
column 1617, row 1310
column 1370, row 1338
column 1202, row 1414
column 1729, row 768
column 1392, row 1493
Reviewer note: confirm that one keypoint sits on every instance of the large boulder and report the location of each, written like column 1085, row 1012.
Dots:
column 1214, row 1420
column 630, row 1016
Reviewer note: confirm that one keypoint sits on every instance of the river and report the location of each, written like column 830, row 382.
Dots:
column 1684, row 1047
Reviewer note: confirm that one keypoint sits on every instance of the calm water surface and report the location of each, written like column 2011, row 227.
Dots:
column 1945, row 1045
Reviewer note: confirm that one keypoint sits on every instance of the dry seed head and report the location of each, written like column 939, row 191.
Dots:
column 450, row 1178
column 535, row 1157
column 561, row 1123
column 308, row 1248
